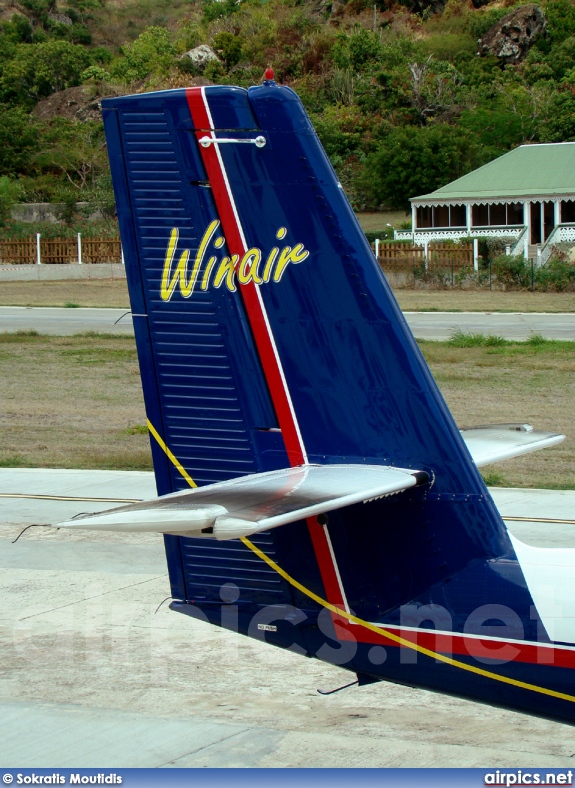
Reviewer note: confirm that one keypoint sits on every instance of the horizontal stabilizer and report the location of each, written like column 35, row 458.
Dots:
column 258, row 502
column 493, row 442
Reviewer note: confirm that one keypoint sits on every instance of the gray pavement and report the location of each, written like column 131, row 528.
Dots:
column 519, row 326
column 44, row 273
column 93, row 674
column 113, row 486
column 425, row 325
column 64, row 322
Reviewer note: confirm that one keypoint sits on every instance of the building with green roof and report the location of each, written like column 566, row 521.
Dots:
column 526, row 196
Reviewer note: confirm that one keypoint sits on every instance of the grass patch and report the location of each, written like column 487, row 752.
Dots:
column 71, row 293
column 67, row 403
column 137, row 429
column 102, row 335
column 9, row 337
column 14, row 461
column 535, row 343
column 515, row 382
column 494, row 479
column 461, row 339
column 76, row 401
column 99, row 355
column 421, row 300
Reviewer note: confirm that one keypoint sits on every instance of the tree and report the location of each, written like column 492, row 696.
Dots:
column 358, row 50
column 18, row 142
column 229, row 48
column 433, row 88
column 341, row 130
column 151, row 52
column 18, row 29
column 37, row 70
column 75, row 150
column 58, row 65
column 559, row 124
column 413, row 161
column 10, row 193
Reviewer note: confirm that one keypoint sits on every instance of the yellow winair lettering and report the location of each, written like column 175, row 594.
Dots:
column 270, row 264
column 169, row 285
column 169, row 282
column 288, row 255
column 228, row 271
column 208, row 272
column 248, row 268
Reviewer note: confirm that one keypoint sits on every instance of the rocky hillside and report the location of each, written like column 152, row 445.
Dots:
column 405, row 96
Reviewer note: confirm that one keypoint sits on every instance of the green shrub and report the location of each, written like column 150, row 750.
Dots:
column 412, row 161
column 512, row 271
column 215, row 9
column 480, row 22
column 107, row 228
column 462, row 339
column 10, row 193
column 151, row 52
column 384, row 235
column 557, row 275
column 229, row 48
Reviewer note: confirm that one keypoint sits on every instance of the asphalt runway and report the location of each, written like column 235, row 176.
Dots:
column 96, row 672
column 519, row 326
column 61, row 321
column 425, row 325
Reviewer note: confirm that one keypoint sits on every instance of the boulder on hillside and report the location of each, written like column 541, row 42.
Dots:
column 201, row 56
column 73, row 103
column 509, row 40
column 61, row 19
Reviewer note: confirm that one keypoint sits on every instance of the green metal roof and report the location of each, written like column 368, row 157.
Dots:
column 527, row 171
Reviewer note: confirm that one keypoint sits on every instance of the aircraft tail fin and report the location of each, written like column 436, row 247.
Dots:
column 269, row 340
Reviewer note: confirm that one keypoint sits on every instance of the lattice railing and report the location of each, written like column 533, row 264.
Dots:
column 563, row 233
column 427, row 234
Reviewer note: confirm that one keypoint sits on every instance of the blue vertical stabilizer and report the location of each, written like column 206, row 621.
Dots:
column 268, row 337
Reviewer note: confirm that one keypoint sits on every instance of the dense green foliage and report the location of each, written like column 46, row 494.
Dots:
column 514, row 272
column 401, row 102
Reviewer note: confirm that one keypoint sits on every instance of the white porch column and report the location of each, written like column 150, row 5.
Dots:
column 527, row 219
column 476, row 254
column 468, row 218
column 542, row 221
column 413, row 220
column 557, row 212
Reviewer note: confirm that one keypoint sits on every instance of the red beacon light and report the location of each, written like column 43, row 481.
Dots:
column 269, row 75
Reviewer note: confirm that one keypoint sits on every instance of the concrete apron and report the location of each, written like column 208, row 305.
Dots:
column 45, row 273
column 96, row 671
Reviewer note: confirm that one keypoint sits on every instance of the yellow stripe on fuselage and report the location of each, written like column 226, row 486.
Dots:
column 366, row 624
column 173, row 459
